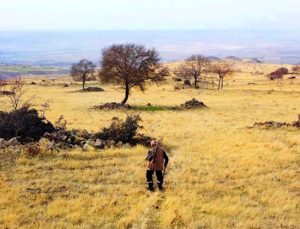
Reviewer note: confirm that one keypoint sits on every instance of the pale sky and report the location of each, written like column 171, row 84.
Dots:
column 149, row 14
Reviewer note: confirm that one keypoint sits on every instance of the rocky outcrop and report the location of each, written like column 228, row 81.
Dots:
column 193, row 103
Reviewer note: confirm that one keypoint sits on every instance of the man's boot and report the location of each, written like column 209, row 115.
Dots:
column 160, row 187
column 150, row 186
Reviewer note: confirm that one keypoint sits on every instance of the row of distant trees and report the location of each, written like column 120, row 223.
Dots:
column 132, row 65
column 196, row 66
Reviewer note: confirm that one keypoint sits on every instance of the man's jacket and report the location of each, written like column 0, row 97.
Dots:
column 157, row 159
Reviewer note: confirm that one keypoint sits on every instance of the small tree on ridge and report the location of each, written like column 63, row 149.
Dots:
column 194, row 67
column 222, row 69
column 82, row 71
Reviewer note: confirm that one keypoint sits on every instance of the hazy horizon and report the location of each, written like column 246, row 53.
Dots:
column 66, row 47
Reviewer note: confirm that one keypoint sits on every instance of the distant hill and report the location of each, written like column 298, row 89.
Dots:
column 234, row 58
column 213, row 58
column 9, row 71
column 255, row 60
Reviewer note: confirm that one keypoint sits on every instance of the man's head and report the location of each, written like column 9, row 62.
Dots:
column 153, row 143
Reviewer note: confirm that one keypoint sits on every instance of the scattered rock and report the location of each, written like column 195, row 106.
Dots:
column 93, row 89
column 119, row 144
column 47, row 144
column 86, row 147
column 118, row 134
column 112, row 106
column 13, row 141
column 126, row 145
column 177, row 79
column 110, row 143
column 194, row 103
column 85, row 133
column 273, row 124
column 187, row 83
column 99, row 144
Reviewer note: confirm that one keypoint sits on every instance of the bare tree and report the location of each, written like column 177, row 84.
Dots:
column 222, row 69
column 131, row 66
column 194, row 67
column 296, row 69
column 83, row 71
column 16, row 92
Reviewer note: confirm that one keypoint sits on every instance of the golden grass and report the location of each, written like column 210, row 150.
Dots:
column 221, row 174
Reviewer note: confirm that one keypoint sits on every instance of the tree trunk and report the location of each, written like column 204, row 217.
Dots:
column 196, row 81
column 222, row 83
column 219, row 86
column 83, row 82
column 126, row 95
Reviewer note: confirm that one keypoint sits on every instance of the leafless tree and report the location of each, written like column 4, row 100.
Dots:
column 131, row 66
column 193, row 68
column 83, row 71
column 222, row 69
column 296, row 69
column 16, row 92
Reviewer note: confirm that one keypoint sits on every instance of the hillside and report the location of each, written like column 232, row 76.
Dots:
column 223, row 173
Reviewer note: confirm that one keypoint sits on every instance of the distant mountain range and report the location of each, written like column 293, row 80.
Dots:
column 62, row 48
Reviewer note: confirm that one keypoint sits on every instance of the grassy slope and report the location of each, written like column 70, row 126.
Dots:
column 221, row 175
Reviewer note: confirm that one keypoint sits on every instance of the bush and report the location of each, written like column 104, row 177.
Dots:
column 24, row 123
column 278, row 74
column 120, row 131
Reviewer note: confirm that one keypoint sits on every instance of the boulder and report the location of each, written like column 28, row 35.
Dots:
column 13, row 141
column 99, row 144
column 85, row 134
column 187, row 83
column 110, row 143
column 193, row 103
column 86, row 147
column 127, row 145
column 112, row 106
column 119, row 144
column 93, row 89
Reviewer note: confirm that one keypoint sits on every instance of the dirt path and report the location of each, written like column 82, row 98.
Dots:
column 151, row 216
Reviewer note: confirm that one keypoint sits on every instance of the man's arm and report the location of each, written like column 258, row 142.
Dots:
column 166, row 159
column 149, row 156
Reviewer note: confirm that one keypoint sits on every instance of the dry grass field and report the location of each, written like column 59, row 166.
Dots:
column 222, row 174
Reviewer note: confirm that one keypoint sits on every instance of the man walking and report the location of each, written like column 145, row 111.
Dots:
column 157, row 162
